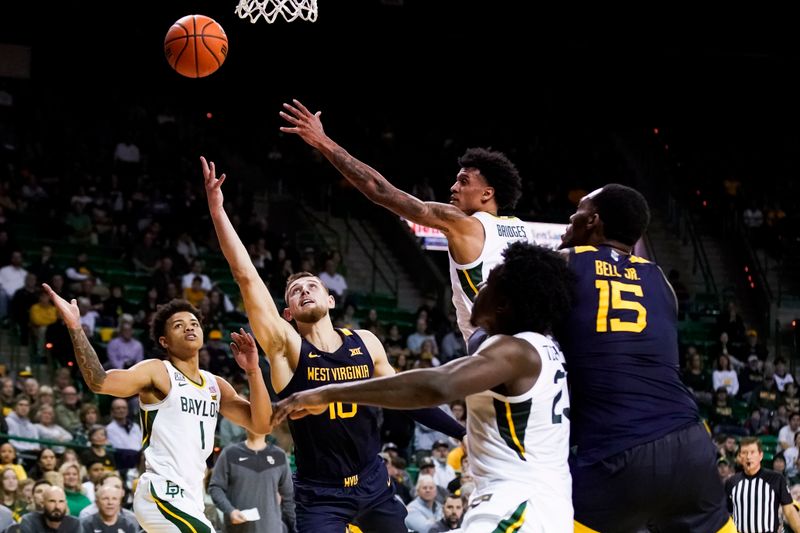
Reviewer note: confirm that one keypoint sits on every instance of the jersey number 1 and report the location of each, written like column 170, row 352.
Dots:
column 617, row 303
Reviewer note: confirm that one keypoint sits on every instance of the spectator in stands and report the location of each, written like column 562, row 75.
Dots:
column 42, row 314
column 89, row 316
column 195, row 294
column 787, row 433
column 10, row 495
column 62, row 378
column 335, row 282
column 40, row 487
column 453, row 345
column 415, row 340
column 348, row 319
column 724, row 376
column 30, row 389
column 754, row 347
column 396, row 467
column 12, row 278
column 782, row 375
column 124, row 435
column 753, row 221
column 46, row 461
column 766, row 396
column 79, row 225
column 424, row 511
column 791, row 397
column 731, row 322
column 20, row 425
column 196, row 270
column 252, row 474
column 109, row 516
column 697, row 379
column 8, row 459
column 148, row 306
column 724, row 347
column 124, row 350
column 97, row 449
column 45, row 396
column 444, row 473
column 186, row 249
column 725, row 469
column 792, row 456
column 54, row 517
column 111, row 479
column 720, row 415
column 7, row 395
column 68, row 409
column 453, row 511
column 73, row 488
column 21, row 304
column 115, row 306
column 750, row 377
column 94, row 475
column 44, row 267
column 757, row 424
column 146, row 254
column 427, row 467
column 48, row 429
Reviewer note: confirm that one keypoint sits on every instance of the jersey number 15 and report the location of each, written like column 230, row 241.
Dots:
column 611, row 298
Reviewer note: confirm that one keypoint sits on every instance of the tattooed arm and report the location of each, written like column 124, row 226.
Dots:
column 445, row 217
column 121, row 383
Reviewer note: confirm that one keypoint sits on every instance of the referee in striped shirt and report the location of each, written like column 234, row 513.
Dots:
column 756, row 494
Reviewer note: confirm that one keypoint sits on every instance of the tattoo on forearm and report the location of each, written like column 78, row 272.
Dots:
column 90, row 366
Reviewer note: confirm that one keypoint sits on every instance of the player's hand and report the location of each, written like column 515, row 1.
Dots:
column 213, row 185
column 244, row 350
column 68, row 311
column 304, row 123
column 298, row 405
column 237, row 517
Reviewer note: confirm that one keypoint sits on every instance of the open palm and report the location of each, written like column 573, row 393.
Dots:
column 244, row 350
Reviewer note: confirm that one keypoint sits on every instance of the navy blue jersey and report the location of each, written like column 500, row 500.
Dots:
column 333, row 447
column 621, row 346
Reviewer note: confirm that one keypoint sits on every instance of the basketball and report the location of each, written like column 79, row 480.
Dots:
column 196, row 46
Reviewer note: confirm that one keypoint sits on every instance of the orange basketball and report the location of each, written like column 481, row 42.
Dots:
column 196, row 46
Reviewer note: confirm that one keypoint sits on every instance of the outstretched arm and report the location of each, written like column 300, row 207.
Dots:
column 500, row 362
column 275, row 335
column 369, row 181
column 121, row 383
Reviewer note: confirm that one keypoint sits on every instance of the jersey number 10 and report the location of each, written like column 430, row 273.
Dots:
column 611, row 294
column 337, row 409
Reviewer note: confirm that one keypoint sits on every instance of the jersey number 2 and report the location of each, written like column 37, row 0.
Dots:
column 612, row 298
column 557, row 418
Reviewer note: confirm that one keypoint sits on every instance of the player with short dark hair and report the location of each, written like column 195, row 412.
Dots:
column 634, row 423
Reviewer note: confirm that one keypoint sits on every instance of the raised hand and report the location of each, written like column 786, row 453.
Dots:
column 303, row 123
column 68, row 311
column 213, row 185
column 244, row 350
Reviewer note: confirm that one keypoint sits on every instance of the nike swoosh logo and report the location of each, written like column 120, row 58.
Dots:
column 243, row 458
column 182, row 384
column 313, row 355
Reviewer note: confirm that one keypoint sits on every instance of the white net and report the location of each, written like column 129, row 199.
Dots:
column 270, row 9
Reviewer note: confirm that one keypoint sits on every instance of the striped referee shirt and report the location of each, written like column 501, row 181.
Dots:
column 755, row 500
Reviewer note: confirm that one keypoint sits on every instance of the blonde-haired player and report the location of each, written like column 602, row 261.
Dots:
column 179, row 408
column 517, row 400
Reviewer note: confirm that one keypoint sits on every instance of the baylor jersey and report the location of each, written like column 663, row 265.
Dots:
column 178, row 432
column 524, row 440
column 498, row 233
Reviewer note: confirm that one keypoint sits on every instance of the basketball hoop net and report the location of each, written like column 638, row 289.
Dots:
column 270, row 9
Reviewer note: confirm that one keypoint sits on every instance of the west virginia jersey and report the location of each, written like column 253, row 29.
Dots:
column 339, row 443
column 519, row 449
column 643, row 459
column 621, row 346
column 340, row 478
column 498, row 233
